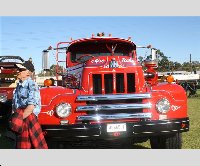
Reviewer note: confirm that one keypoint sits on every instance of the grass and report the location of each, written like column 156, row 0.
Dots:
column 191, row 139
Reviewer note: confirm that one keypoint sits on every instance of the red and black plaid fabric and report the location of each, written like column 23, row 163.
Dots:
column 16, row 121
column 31, row 135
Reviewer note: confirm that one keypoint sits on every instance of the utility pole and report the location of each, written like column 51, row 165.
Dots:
column 190, row 63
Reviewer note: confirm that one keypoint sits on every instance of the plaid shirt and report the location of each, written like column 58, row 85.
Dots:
column 27, row 93
column 29, row 132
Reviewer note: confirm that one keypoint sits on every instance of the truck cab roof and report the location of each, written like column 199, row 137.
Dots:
column 99, row 42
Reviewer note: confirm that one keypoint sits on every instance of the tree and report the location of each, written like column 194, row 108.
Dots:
column 163, row 62
column 186, row 66
column 140, row 59
column 177, row 66
column 51, row 71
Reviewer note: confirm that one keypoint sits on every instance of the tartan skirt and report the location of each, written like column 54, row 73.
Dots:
column 31, row 135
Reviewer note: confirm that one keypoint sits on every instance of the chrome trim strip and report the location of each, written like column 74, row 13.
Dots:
column 147, row 132
column 136, row 125
column 150, row 124
column 113, row 107
column 174, row 130
column 85, row 136
column 98, row 117
column 113, row 97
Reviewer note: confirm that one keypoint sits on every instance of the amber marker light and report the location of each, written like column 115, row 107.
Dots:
column 47, row 82
column 170, row 79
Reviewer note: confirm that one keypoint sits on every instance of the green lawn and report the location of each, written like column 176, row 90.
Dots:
column 191, row 139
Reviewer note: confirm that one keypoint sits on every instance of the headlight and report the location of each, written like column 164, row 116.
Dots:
column 3, row 98
column 63, row 110
column 163, row 106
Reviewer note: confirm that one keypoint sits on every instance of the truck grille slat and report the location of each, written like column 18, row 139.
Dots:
column 114, row 97
column 113, row 116
column 113, row 107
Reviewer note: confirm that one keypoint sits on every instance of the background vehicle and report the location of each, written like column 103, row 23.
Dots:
column 7, row 83
column 189, row 81
column 105, row 95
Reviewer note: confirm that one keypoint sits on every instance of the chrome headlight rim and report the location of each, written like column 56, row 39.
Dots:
column 163, row 106
column 3, row 98
column 63, row 110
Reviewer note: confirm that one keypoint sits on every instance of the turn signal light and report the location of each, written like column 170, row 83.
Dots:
column 48, row 82
column 170, row 79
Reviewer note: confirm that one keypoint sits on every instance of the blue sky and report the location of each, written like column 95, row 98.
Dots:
column 27, row 36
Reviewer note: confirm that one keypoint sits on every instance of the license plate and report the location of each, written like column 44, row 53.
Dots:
column 116, row 127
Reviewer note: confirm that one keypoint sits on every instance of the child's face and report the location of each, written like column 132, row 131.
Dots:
column 23, row 74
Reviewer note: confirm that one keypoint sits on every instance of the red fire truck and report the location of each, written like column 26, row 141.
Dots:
column 105, row 95
column 7, row 83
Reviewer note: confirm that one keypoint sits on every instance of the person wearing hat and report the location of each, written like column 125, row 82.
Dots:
column 26, row 107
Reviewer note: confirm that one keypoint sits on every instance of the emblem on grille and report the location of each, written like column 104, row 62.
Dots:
column 113, row 64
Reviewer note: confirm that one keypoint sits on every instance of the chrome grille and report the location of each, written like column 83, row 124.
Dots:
column 113, row 107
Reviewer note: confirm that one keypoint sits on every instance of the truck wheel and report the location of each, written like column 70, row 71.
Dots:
column 166, row 141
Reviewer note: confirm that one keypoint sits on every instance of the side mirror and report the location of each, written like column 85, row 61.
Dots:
column 153, row 54
column 45, row 60
column 153, row 61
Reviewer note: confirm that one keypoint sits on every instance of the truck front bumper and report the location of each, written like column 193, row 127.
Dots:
column 99, row 131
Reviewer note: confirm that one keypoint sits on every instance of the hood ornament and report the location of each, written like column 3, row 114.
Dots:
column 113, row 64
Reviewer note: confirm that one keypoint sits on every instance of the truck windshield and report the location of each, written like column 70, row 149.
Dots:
column 96, row 49
column 75, row 56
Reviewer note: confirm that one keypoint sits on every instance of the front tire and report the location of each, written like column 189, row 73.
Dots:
column 173, row 141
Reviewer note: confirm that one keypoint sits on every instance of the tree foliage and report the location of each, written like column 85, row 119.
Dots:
column 52, row 71
column 164, row 64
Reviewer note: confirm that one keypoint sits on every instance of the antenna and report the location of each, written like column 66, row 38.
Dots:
column 190, row 63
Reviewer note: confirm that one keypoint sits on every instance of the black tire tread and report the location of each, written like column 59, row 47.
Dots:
column 173, row 141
